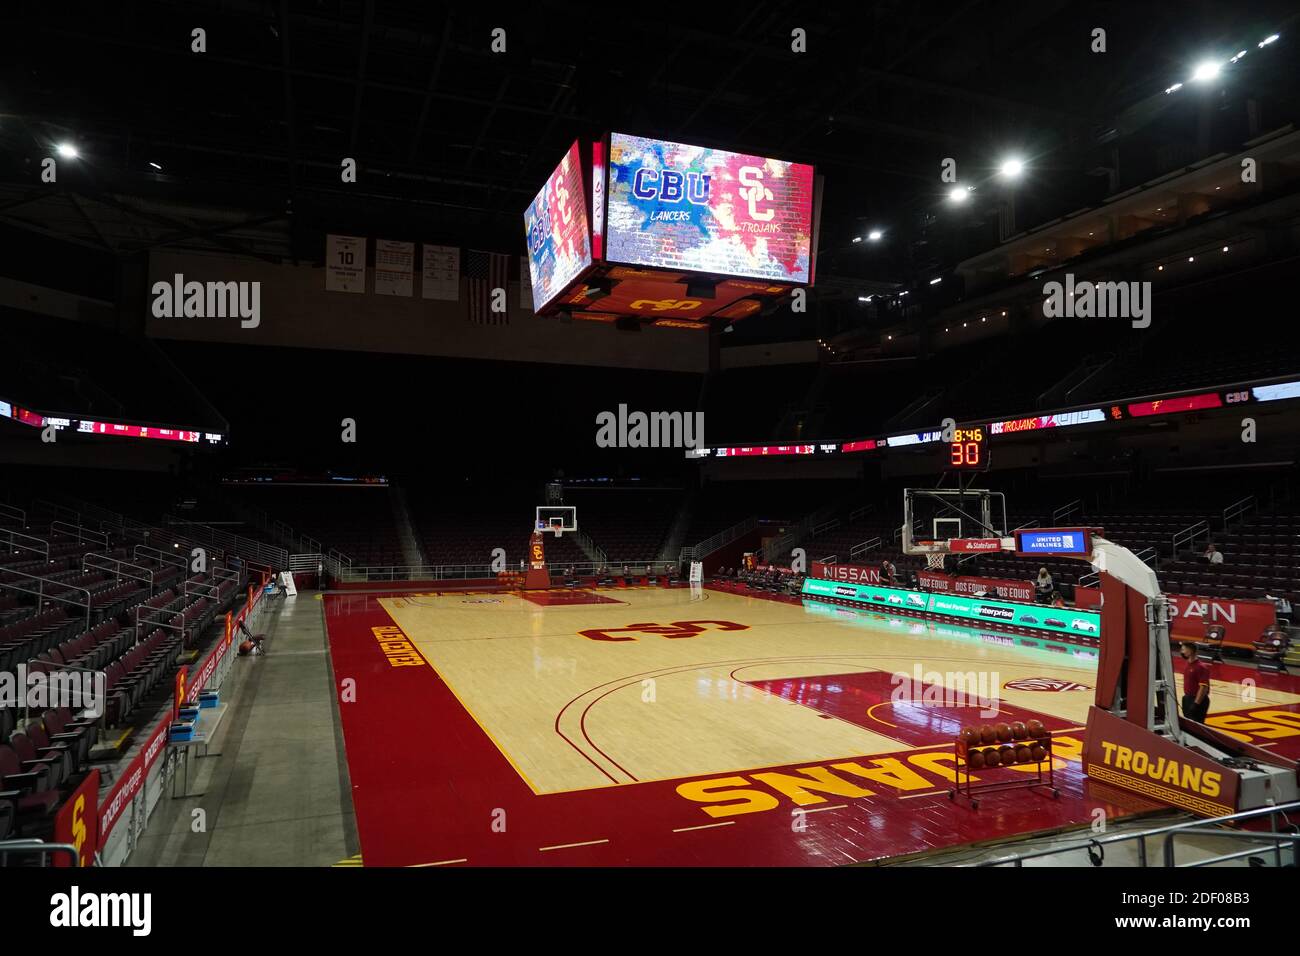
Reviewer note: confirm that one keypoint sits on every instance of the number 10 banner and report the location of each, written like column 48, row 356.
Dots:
column 345, row 264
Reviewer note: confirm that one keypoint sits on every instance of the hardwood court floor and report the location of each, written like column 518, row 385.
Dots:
column 637, row 724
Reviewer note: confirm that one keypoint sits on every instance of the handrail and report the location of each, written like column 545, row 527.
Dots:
column 1142, row 836
column 1277, row 839
column 864, row 546
column 9, row 511
column 1066, row 510
column 40, row 847
column 116, row 566
column 9, row 537
column 857, row 513
column 83, row 534
column 162, row 557
column 694, row 552
column 41, row 596
column 829, row 559
column 1239, row 508
column 1189, row 535
column 826, row 526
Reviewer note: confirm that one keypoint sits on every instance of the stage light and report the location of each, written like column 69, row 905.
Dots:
column 1174, row 89
column 857, row 238
column 1268, row 39
column 156, row 166
column 1240, row 54
column 936, row 280
column 1205, row 71
column 984, row 318
column 1160, row 268
column 958, row 194
column 67, row 151
column 875, row 235
column 888, row 338
column 1225, row 248
column 1191, row 258
column 1011, row 168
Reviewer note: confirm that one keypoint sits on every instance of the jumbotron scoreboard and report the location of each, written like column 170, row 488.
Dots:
column 646, row 230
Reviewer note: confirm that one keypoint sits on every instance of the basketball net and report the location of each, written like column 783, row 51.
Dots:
column 934, row 560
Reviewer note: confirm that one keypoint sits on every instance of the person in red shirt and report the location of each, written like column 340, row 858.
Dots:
column 1196, row 684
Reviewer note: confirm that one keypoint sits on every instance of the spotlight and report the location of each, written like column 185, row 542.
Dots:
column 1240, row 54
column 1225, row 248
column 1174, row 89
column 1267, row 40
column 1205, row 71
column 958, row 194
column 875, row 235
column 857, row 238
column 156, row 166
column 1011, row 168
column 67, row 151
column 936, row 280
column 1191, row 258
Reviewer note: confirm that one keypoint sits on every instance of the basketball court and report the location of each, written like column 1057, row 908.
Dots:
column 655, row 725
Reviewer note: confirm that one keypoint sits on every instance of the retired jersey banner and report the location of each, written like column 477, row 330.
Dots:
column 675, row 206
column 558, row 231
column 854, row 573
column 440, row 267
column 394, row 267
column 345, row 264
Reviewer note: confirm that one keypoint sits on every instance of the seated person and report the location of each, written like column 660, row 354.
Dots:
column 1057, row 600
column 1212, row 554
column 1044, row 586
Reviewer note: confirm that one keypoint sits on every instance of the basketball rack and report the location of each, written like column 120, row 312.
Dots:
column 964, row 787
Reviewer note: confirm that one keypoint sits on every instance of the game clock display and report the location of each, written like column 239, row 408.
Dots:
column 969, row 449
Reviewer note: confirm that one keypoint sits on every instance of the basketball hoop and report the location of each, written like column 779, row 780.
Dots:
column 934, row 561
column 557, row 527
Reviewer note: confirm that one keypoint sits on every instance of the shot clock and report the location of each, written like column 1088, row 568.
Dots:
column 969, row 449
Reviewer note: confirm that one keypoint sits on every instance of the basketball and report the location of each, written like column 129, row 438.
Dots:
column 975, row 759
column 991, row 757
column 1023, row 753
column 1019, row 731
column 1037, row 752
column 970, row 736
column 1036, row 729
column 1003, row 732
column 1006, row 756
column 987, row 734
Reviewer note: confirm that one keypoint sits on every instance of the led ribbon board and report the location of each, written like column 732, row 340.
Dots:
column 675, row 206
column 1036, row 616
column 558, row 231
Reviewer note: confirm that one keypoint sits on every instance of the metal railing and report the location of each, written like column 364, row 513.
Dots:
column 162, row 557
column 38, row 847
column 1067, row 510
column 857, row 513
column 1189, row 535
column 118, row 568
column 1197, row 827
column 271, row 554
column 10, row 513
column 871, row 544
column 82, row 534
column 792, row 537
column 17, row 540
column 41, row 595
column 694, row 552
column 1239, row 508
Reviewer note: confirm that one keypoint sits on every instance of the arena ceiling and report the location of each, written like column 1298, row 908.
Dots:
column 238, row 148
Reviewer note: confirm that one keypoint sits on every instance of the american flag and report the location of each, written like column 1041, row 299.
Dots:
column 485, row 271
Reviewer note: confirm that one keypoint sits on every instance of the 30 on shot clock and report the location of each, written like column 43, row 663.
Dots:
column 969, row 449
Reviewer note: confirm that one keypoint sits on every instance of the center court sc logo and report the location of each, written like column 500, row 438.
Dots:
column 654, row 430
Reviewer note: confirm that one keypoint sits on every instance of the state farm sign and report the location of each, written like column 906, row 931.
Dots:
column 853, row 573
